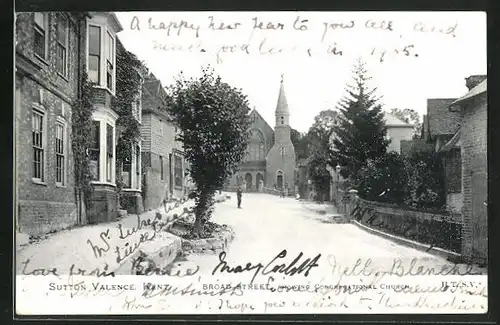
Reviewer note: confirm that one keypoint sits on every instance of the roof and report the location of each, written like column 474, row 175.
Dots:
column 392, row 120
column 479, row 89
column 260, row 116
column 453, row 143
column 442, row 121
column 282, row 105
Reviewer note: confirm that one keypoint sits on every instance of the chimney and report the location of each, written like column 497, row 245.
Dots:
column 473, row 81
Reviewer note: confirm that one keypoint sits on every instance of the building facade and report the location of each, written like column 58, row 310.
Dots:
column 269, row 163
column 100, row 59
column 163, row 163
column 47, row 61
column 397, row 131
column 474, row 161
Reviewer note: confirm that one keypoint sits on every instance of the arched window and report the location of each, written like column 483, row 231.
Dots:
column 256, row 145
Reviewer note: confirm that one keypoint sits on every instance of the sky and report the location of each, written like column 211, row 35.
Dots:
column 443, row 48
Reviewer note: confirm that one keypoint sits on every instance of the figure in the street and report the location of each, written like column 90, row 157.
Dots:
column 239, row 193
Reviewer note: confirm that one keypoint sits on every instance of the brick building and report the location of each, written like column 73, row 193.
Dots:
column 100, row 59
column 163, row 163
column 47, row 61
column 473, row 107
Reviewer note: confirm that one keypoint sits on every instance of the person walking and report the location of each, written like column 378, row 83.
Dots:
column 239, row 193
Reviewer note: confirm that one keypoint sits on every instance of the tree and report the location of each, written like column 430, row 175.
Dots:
column 214, row 123
column 319, row 150
column 361, row 132
column 409, row 116
column 299, row 141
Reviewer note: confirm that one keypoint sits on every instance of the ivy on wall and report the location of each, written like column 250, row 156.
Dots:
column 128, row 83
column 81, row 141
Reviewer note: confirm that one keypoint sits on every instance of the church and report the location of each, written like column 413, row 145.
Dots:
column 269, row 164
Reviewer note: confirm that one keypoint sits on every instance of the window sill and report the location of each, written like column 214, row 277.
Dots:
column 112, row 93
column 38, row 182
column 103, row 183
column 40, row 59
column 177, row 187
column 61, row 186
column 131, row 190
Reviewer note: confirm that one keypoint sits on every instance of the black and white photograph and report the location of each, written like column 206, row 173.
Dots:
column 218, row 162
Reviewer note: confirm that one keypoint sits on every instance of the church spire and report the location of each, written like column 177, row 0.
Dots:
column 282, row 106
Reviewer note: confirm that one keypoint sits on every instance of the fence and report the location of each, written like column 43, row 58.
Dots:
column 437, row 230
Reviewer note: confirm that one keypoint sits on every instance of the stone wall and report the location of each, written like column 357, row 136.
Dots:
column 439, row 230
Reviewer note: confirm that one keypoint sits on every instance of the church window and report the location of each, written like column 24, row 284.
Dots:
column 282, row 120
column 282, row 152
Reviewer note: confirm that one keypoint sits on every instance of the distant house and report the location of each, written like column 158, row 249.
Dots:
column 440, row 124
column 163, row 163
column 474, row 164
column 397, row 131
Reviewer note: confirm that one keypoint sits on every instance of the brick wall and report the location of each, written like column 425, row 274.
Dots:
column 44, row 206
column 474, row 164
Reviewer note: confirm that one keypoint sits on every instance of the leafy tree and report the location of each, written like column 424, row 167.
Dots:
column 214, row 123
column 319, row 150
column 409, row 116
column 361, row 132
column 300, row 143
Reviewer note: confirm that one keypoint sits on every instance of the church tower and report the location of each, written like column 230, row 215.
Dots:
column 280, row 161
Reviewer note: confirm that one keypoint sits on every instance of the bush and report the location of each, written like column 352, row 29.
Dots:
column 415, row 181
column 384, row 179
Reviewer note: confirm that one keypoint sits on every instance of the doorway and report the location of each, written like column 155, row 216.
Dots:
column 248, row 180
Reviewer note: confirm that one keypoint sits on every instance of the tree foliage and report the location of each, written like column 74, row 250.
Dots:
column 300, row 144
column 361, row 132
column 128, row 85
column 410, row 116
column 214, row 123
column 319, row 150
column 81, row 141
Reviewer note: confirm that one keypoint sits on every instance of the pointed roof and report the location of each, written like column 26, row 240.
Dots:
column 282, row 106
column 392, row 120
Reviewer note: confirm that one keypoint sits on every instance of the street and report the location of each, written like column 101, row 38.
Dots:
column 268, row 224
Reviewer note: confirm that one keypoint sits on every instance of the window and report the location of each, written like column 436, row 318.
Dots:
column 126, row 172
column 138, row 167
column 282, row 120
column 62, row 45
column 110, row 60
column 40, row 39
column 109, row 152
column 95, row 150
column 178, row 171
column 60, row 141
column 101, row 48
column 38, row 145
column 170, row 177
column 161, row 167
column 94, row 53
column 282, row 152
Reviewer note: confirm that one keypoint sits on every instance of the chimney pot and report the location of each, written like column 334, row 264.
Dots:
column 474, row 80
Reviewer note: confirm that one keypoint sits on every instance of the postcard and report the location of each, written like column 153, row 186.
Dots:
column 250, row 163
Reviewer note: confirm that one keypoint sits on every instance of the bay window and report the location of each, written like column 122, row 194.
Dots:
column 101, row 58
column 102, row 152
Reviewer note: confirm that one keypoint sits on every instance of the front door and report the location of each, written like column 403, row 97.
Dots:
column 248, row 180
column 480, row 216
column 258, row 178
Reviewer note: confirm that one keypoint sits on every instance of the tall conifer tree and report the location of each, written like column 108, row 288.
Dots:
column 361, row 132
